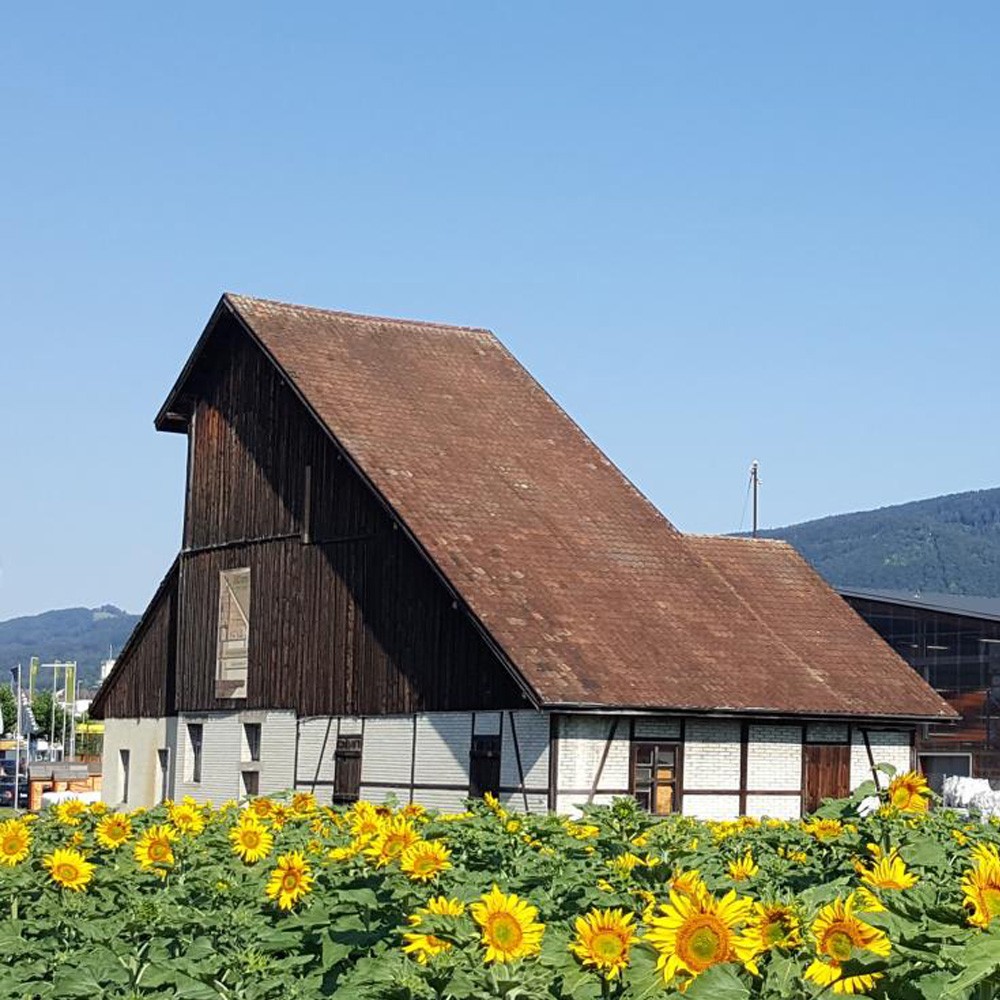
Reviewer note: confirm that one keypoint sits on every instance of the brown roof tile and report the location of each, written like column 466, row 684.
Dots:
column 594, row 597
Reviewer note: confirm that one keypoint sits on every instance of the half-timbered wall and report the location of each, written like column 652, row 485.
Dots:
column 347, row 618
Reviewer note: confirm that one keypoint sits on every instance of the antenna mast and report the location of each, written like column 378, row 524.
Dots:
column 754, row 486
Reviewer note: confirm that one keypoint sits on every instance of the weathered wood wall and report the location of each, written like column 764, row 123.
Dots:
column 142, row 682
column 352, row 620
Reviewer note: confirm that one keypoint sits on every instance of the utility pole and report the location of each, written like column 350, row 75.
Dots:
column 754, row 486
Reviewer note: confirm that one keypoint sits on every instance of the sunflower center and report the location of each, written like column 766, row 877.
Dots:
column 12, row 845
column 394, row 844
column 505, row 932
column 290, row 882
column 703, row 942
column 424, row 864
column 159, row 851
column 66, row 872
column 251, row 838
column 839, row 945
column 607, row 946
column 774, row 933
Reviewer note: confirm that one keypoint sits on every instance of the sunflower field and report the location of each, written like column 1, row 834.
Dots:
column 284, row 898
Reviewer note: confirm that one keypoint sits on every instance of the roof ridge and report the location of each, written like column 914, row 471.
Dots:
column 739, row 538
column 236, row 298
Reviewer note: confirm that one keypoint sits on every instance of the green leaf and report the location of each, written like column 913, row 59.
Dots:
column 720, row 982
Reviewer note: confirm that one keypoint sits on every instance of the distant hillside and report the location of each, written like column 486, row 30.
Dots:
column 948, row 544
column 81, row 634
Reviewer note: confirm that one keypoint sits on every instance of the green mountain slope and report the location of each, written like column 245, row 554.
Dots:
column 948, row 544
column 81, row 634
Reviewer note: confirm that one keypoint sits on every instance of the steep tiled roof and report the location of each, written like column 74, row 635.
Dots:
column 592, row 595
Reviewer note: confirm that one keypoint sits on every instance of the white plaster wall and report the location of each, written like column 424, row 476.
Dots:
column 711, row 754
column 774, row 757
column 888, row 747
column 143, row 738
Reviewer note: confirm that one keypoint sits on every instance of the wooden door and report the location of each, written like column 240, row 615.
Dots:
column 828, row 773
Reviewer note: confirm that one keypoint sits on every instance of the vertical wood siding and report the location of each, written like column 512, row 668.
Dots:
column 353, row 621
column 141, row 685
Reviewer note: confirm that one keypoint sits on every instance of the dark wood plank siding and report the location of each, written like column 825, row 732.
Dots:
column 352, row 621
column 142, row 682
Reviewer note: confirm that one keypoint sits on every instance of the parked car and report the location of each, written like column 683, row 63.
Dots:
column 7, row 771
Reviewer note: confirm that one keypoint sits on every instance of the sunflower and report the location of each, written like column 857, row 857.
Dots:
column 773, row 925
column 981, row 887
column 69, row 868
column 624, row 864
column 261, row 808
column 697, row 932
column 909, row 793
column 70, row 812
column 187, row 817
column 154, row 849
column 15, row 842
column 689, row 883
column 581, row 831
column 743, row 869
column 510, row 929
column 98, row 808
column 414, row 810
column 888, row 872
column 394, row 837
column 603, row 939
column 825, row 829
column 423, row 946
column 303, row 803
column 113, row 830
column 251, row 841
column 290, row 881
column 352, row 850
column 424, row 860
column 280, row 814
column 839, row 935
column 365, row 822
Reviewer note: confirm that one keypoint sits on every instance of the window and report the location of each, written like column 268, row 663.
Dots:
column 164, row 756
column 251, row 741
column 124, row 757
column 234, row 633
column 251, row 782
column 195, row 731
column 938, row 766
column 655, row 769
column 347, row 769
column 484, row 766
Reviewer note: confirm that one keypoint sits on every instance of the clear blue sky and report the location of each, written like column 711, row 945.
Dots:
column 713, row 231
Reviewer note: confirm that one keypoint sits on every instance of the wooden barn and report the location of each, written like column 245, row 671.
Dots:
column 405, row 571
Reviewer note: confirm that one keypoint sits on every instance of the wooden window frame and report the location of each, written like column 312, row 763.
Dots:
column 484, row 764
column 163, row 760
column 347, row 773
column 251, row 783
column 677, row 782
column 232, row 669
column 251, row 744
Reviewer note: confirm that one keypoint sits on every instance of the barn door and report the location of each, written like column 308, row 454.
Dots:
column 828, row 773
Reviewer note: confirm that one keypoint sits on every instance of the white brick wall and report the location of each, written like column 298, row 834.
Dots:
column 582, row 743
column 711, row 754
column 222, row 757
column 774, row 757
column 775, row 806
column 657, row 729
column 888, row 747
column 443, row 743
column 712, row 806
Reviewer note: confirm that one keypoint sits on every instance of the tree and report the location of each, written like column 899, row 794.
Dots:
column 8, row 710
column 42, row 707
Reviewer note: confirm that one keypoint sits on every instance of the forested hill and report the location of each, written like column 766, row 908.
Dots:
column 81, row 634
column 948, row 544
